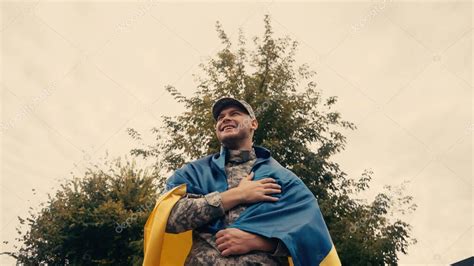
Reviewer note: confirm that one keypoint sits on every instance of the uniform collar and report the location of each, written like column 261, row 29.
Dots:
column 240, row 156
column 262, row 154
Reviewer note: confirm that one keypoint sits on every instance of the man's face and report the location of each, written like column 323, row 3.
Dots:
column 234, row 125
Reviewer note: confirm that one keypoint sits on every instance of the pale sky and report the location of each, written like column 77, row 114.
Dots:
column 76, row 74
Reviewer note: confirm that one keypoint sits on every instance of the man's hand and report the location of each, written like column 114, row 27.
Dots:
column 255, row 191
column 233, row 241
column 249, row 191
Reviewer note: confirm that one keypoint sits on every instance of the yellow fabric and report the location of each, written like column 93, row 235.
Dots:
column 162, row 248
column 166, row 249
column 331, row 259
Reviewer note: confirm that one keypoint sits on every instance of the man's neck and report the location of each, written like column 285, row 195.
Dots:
column 240, row 149
column 237, row 146
column 240, row 156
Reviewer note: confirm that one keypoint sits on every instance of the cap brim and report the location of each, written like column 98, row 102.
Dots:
column 224, row 102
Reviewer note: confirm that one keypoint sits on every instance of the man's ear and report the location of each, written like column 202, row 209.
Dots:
column 254, row 124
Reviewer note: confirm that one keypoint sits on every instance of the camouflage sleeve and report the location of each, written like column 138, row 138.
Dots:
column 193, row 211
column 281, row 250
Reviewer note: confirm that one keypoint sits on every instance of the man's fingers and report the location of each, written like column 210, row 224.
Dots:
column 268, row 198
column 272, row 191
column 219, row 240
column 226, row 252
column 220, row 233
column 223, row 246
column 250, row 176
column 272, row 185
column 267, row 180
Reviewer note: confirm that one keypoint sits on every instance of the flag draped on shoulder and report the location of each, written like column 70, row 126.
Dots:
column 160, row 247
column 295, row 218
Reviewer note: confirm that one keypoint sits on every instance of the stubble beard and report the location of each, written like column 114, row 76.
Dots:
column 235, row 141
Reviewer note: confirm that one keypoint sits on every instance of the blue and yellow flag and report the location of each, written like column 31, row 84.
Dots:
column 295, row 218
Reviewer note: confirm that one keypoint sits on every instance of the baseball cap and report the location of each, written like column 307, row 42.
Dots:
column 227, row 101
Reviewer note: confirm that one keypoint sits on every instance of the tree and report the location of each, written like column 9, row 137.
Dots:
column 99, row 218
column 301, row 130
column 96, row 219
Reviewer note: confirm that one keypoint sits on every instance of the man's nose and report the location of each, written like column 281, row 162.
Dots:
column 224, row 119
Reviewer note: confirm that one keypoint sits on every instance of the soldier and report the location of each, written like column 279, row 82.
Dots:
column 242, row 206
column 235, row 126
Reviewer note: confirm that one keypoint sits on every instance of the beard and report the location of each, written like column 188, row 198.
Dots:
column 233, row 141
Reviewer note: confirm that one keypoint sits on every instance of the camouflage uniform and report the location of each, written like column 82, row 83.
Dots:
column 193, row 211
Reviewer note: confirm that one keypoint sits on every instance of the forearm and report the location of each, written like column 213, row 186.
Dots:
column 193, row 211
column 231, row 198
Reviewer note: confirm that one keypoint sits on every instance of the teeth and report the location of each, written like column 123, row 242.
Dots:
column 226, row 127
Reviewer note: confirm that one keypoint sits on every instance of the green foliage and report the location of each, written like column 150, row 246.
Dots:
column 95, row 219
column 99, row 218
column 301, row 130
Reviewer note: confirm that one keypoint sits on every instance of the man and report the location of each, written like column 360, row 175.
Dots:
column 242, row 206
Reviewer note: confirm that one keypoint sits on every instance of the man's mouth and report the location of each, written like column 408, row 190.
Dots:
column 224, row 128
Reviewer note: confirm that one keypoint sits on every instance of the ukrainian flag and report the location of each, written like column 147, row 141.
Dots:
column 297, row 221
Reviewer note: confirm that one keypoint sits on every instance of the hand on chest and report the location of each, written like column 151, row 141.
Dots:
column 236, row 171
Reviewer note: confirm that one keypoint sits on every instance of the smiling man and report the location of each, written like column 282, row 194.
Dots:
column 235, row 127
column 242, row 206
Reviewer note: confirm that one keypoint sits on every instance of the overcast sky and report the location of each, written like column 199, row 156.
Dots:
column 76, row 74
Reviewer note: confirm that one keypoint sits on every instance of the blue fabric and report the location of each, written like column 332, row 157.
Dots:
column 295, row 218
